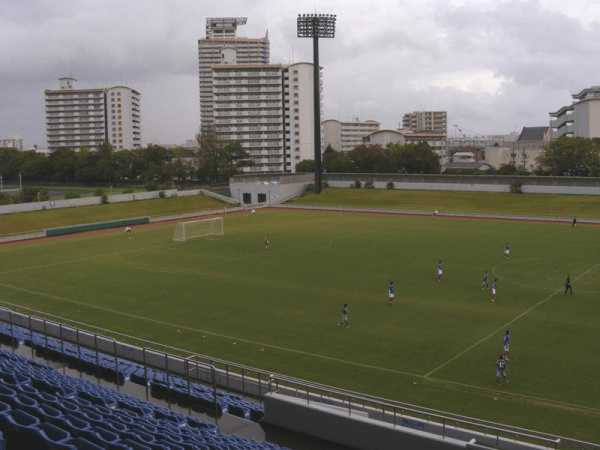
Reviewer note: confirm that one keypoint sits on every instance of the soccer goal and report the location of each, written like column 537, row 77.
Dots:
column 198, row 228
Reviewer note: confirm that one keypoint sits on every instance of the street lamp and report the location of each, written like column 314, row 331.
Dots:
column 316, row 26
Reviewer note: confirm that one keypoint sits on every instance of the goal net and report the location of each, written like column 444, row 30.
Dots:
column 198, row 228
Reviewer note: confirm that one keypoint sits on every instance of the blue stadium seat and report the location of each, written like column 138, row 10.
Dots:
column 48, row 436
column 83, row 444
column 7, row 394
column 19, row 428
column 5, row 408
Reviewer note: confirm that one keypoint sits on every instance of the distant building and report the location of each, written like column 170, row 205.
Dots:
column 525, row 153
column 346, row 135
column 581, row 118
column 222, row 46
column 437, row 141
column 14, row 142
column 418, row 121
column 78, row 118
column 267, row 108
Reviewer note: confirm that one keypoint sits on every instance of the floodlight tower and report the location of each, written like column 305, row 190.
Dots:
column 317, row 26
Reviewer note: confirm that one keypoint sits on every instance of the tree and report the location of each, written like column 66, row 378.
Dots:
column 34, row 166
column 413, row 158
column 62, row 164
column 209, row 155
column 367, row 158
column 306, row 165
column 233, row 157
column 32, row 194
column 10, row 163
column 572, row 157
column 336, row 162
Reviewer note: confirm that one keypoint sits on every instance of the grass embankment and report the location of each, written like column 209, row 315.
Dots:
column 580, row 206
column 28, row 222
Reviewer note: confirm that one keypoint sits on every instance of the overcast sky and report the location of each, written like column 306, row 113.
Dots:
column 495, row 66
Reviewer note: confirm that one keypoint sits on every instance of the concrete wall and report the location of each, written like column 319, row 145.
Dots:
column 471, row 183
column 360, row 430
column 274, row 189
column 117, row 198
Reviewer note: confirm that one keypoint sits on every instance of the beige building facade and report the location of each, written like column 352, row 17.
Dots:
column 418, row 121
column 346, row 135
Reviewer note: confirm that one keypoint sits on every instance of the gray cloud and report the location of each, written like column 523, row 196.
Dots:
column 494, row 65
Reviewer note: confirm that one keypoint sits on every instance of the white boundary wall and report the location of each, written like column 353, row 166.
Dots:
column 116, row 198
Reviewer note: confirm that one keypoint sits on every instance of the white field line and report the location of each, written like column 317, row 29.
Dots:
column 290, row 350
column 506, row 325
column 196, row 330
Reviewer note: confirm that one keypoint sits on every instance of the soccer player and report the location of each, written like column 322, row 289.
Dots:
column 501, row 370
column 568, row 285
column 507, row 251
column 484, row 282
column 391, row 293
column 574, row 222
column 440, row 271
column 344, row 316
column 494, row 286
column 266, row 242
column 506, row 344
column 253, row 212
column 127, row 229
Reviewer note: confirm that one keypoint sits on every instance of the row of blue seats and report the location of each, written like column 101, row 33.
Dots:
column 173, row 388
column 41, row 408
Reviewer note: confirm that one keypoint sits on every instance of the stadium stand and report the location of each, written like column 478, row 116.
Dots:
column 170, row 387
column 41, row 408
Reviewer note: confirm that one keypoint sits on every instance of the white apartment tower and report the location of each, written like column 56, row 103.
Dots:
column 77, row 118
column 222, row 46
column 267, row 108
column 347, row 135
column 435, row 121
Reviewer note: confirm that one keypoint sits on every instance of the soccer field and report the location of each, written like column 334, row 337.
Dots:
column 445, row 336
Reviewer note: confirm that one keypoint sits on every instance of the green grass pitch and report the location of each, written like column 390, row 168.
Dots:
column 445, row 336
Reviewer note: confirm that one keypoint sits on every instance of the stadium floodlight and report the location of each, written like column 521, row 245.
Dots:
column 316, row 26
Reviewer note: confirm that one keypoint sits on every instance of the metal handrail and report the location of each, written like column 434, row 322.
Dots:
column 353, row 401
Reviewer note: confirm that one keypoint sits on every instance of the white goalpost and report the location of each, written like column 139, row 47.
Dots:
column 198, row 228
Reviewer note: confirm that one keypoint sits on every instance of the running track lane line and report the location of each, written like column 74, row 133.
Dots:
column 503, row 327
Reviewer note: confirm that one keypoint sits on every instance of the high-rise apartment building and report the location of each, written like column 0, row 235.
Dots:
column 346, row 135
column 267, row 108
column 417, row 121
column 78, row 118
column 222, row 46
column 581, row 118
column 14, row 142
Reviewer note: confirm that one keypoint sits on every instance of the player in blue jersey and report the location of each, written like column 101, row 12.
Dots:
column 501, row 370
column 506, row 344
column 507, row 251
column 440, row 271
column 391, row 293
column 494, row 286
